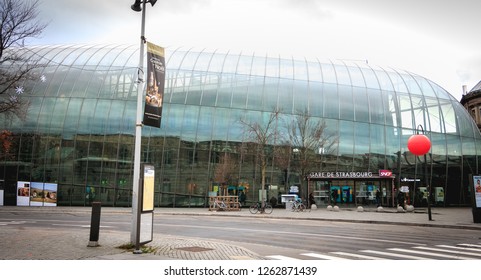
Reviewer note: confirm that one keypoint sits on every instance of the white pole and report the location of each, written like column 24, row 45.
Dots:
column 138, row 135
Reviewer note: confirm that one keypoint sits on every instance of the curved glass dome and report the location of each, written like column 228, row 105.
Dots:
column 81, row 121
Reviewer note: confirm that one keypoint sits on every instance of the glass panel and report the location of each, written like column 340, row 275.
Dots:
column 100, row 123
column 377, row 106
column 239, row 93
column 405, row 110
column 361, row 138
column 314, row 72
column 384, row 80
column 300, row 70
column 270, row 93
column 272, row 67
column 435, row 121
column 189, row 125
column 398, row 82
column 45, row 116
column 346, row 138
column 285, row 96
column 224, row 94
column 301, row 94
column 356, row 76
column 255, row 93
column 342, row 74
column 72, row 118
column 347, row 107
column 331, row 101
column 315, row 99
column 449, row 118
column 361, row 104
column 205, row 123
column 328, row 73
column 87, row 113
column 370, row 78
column 58, row 115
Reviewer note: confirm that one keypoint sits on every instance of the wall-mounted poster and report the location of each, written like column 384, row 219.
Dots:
column 23, row 193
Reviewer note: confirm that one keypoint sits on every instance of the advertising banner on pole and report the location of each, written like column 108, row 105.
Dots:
column 155, row 85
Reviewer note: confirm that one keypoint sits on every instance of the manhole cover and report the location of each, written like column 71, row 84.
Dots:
column 195, row 249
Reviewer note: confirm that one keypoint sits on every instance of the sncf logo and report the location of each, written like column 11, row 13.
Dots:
column 385, row 173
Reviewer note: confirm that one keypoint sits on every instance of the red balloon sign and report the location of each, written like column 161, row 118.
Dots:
column 419, row 144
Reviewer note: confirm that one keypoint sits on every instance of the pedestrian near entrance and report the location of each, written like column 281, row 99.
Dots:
column 400, row 199
column 378, row 197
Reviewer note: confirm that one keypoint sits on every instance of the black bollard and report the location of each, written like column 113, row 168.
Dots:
column 95, row 225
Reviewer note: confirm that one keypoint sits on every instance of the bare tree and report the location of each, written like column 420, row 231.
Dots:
column 18, row 21
column 308, row 140
column 225, row 170
column 263, row 134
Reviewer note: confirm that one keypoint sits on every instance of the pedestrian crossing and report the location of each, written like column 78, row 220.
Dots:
column 462, row 251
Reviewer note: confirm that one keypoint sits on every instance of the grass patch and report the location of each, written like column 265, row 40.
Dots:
column 131, row 247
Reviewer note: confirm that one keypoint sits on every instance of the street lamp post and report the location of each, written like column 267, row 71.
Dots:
column 138, row 6
column 419, row 144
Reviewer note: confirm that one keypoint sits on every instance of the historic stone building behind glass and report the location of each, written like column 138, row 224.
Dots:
column 472, row 102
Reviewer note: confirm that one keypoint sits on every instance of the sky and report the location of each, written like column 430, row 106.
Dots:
column 438, row 40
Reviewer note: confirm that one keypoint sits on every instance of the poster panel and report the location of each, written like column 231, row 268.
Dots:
column 36, row 194
column 23, row 193
column 155, row 85
column 50, row 194
column 477, row 191
column 146, row 227
column 148, row 189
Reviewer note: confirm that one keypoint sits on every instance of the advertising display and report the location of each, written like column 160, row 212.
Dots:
column 477, row 191
column 23, row 193
column 155, row 85
column 36, row 194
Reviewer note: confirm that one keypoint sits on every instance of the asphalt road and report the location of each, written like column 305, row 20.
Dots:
column 286, row 238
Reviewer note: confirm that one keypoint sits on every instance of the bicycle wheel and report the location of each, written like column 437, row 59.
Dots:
column 268, row 209
column 302, row 207
column 293, row 207
column 254, row 208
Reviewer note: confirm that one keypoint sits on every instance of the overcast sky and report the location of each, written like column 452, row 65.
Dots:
column 435, row 39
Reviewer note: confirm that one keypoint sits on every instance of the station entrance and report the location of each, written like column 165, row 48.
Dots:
column 365, row 190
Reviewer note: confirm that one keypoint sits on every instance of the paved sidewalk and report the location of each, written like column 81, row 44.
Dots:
column 20, row 244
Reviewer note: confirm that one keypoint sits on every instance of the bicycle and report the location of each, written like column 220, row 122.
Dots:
column 298, row 206
column 219, row 204
column 257, row 207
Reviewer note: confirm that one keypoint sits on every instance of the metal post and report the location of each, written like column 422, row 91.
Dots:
column 426, row 178
column 94, row 224
column 138, row 133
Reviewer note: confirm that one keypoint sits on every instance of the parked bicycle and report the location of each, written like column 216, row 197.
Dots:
column 298, row 206
column 219, row 205
column 257, row 207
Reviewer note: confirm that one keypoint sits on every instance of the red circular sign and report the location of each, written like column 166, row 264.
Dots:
column 419, row 144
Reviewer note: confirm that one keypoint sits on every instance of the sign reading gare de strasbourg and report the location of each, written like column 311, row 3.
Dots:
column 323, row 175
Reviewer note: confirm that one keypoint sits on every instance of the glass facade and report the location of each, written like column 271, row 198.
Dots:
column 80, row 126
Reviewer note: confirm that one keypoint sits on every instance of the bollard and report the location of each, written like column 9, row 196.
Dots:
column 95, row 225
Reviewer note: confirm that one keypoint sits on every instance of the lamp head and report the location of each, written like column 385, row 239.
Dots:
column 136, row 6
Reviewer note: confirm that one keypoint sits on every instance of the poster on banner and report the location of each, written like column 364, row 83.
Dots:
column 477, row 191
column 155, row 85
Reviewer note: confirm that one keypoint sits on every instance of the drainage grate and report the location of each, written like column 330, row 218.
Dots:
column 194, row 249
